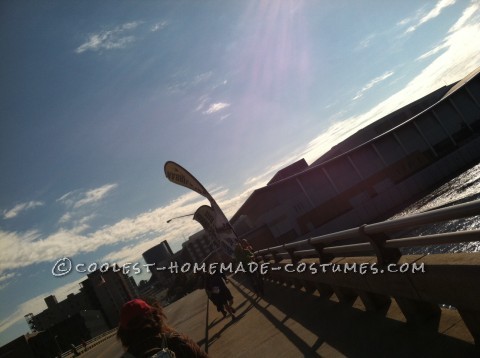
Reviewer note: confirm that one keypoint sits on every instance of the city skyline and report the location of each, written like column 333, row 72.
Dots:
column 97, row 102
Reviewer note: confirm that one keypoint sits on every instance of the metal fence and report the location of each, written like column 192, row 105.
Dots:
column 373, row 238
column 80, row 349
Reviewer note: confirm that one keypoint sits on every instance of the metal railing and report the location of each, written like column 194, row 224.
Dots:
column 90, row 343
column 450, row 280
column 372, row 238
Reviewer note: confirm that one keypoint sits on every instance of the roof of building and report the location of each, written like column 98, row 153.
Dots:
column 438, row 95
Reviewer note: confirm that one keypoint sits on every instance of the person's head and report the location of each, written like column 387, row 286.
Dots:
column 139, row 320
column 244, row 243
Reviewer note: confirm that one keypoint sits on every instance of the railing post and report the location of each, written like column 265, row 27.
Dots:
column 294, row 259
column 275, row 257
column 384, row 255
column 324, row 258
column 263, row 257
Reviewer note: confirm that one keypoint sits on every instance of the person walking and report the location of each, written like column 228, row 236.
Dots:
column 244, row 254
column 219, row 294
column 144, row 332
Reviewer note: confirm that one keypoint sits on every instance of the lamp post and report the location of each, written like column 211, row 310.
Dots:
column 178, row 217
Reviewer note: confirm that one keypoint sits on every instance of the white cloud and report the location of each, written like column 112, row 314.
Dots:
column 65, row 218
column 215, row 107
column 19, row 249
column 225, row 116
column 158, row 26
column 110, row 39
column 95, row 195
column 77, row 198
column 442, row 4
column 466, row 16
column 458, row 33
column 432, row 52
column 5, row 279
column 372, row 83
column 17, row 209
column 366, row 42
column 7, row 276
column 202, row 101
column 460, row 56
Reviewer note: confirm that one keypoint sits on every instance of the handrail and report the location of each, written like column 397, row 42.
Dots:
column 444, row 214
column 90, row 343
column 372, row 237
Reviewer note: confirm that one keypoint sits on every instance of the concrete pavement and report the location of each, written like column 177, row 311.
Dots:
column 292, row 323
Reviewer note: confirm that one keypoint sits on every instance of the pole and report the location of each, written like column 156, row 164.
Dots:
column 178, row 217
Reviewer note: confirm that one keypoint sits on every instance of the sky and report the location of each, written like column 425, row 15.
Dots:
column 97, row 96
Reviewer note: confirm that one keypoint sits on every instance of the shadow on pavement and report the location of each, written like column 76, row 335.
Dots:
column 351, row 331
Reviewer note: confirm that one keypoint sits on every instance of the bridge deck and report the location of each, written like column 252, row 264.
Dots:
column 291, row 323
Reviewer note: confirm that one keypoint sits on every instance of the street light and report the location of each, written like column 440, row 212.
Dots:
column 178, row 217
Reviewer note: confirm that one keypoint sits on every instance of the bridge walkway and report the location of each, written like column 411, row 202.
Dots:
column 292, row 323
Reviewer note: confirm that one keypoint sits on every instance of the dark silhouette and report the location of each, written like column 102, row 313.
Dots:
column 219, row 294
column 143, row 331
column 244, row 254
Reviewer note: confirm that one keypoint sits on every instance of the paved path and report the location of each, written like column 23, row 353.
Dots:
column 291, row 323
column 187, row 315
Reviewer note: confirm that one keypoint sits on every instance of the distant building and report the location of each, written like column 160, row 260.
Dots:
column 198, row 246
column 158, row 254
column 81, row 316
column 19, row 347
column 108, row 291
column 82, row 326
column 56, row 312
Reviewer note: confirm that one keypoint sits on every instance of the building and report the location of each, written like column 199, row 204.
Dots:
column 158, row 254
column 19, row 347
column 108, row 291
column 80, row 317
column 105, row 292
column 372, row 174
column 57, row 312
column 198, row 246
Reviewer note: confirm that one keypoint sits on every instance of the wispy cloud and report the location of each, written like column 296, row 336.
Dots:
column 215, row 107
column 95, row 195
column 77, row 198
column 420, row 20
column 115, row 38
column 432, row 52
column 457, row 32
column 467, row 15
column 158, row 26
column 372, row 83
column 457, row 59
column 366, row 42
column 21, row 249
column 75, row 220
column 6, row 277
column 19, row 208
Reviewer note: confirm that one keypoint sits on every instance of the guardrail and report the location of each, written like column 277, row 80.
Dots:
column 80, row 349
column 374, row 239
column 450, row 279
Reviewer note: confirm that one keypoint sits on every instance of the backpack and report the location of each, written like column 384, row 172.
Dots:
column 164, row 352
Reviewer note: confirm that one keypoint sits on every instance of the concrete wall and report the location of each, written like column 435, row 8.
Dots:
column 450, row 279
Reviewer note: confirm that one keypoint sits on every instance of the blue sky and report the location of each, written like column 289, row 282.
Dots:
column 97, row 96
